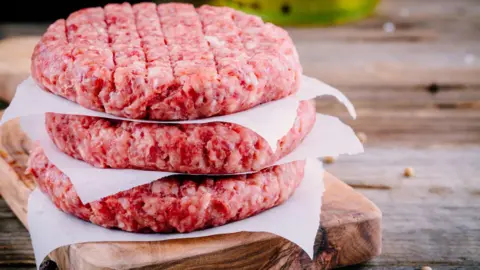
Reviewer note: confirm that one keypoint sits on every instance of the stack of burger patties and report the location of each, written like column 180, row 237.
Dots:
column 169, row 62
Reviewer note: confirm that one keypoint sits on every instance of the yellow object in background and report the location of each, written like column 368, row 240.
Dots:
column 304, row 12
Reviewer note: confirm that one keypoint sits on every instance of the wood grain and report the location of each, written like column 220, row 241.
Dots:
column 453, row 169
column 350, row 231
column 16, row 246
column 429, row 45
column 440, row 227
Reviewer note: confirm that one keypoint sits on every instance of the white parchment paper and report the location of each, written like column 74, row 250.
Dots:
column 296, row 220
column 271, row 120
column 329, row 137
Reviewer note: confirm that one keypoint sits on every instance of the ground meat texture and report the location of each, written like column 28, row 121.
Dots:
column 210, row 148
column 173, row 204
column 166, row 62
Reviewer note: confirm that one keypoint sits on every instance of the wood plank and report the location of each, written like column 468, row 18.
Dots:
column 415, row 119
column 415, row 128
column 440, row 227
column 430, row 44
column 447, row 169
column 430, row 96
column 429, row 219
column 14, row 239
column 350, row 231
column 21, row 267
column 356, row 64
column 430, row 20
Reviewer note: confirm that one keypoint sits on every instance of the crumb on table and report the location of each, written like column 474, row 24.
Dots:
column 329, row 160
column 409, row 172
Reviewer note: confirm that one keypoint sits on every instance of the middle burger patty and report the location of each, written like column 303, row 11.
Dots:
column 209, row 148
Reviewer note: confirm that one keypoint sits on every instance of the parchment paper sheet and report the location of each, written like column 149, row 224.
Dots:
column 271, row 120
column 329, row 137
column 296, row 220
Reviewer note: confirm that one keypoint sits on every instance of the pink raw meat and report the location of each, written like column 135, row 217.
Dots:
column 174, row 204
column 166, row 62
column 210, row 148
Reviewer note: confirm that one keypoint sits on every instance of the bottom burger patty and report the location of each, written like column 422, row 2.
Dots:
column 182, row 203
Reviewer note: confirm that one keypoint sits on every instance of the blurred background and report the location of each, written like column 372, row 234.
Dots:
column 292, row 12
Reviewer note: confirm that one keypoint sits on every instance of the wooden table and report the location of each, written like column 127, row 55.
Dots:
column 417, row 94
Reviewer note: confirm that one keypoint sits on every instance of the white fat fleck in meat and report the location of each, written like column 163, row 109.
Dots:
column 251, row 79
column 190, row 191
column 153, row 76
column 229, row 185
column 192, row 209
column 124, row 203
column 138, row 65
column 214, row 41
column 58, row 191
column 150, row 205
column 205, row 201
column 250, row 45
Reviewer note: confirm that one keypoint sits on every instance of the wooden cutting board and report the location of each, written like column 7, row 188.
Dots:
column 349, row 233
column 350, row 230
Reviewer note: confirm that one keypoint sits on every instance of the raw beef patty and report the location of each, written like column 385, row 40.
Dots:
column 209, row 148
column 173, row 204
column 166, row 62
